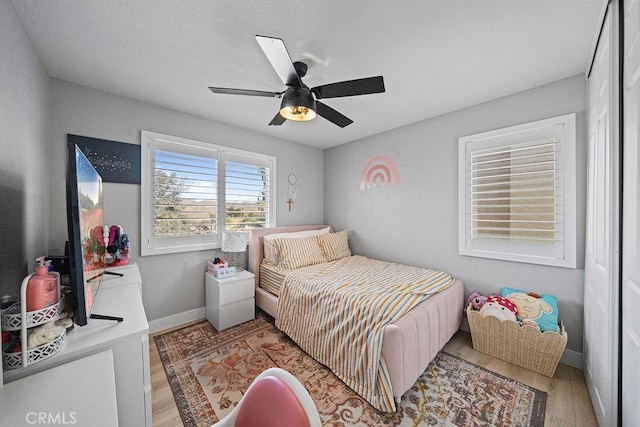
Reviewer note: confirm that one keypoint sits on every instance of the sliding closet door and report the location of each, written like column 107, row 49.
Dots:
column 630, row 216
column 601, row 260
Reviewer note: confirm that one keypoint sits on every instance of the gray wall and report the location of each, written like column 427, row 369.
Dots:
column 172, row 283
column 417, row 222
column 24, row 142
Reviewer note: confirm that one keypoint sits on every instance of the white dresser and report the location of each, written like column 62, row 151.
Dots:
column 230, row 301
column 128, row 340
column 48, row 397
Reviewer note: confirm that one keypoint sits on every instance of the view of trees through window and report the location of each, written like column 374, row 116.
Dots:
column 186, row 195
column 246, row 196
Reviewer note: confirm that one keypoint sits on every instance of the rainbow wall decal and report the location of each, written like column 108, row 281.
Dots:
column 378, row 172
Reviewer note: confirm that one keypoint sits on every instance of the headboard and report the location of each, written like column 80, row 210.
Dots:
column 255, row 243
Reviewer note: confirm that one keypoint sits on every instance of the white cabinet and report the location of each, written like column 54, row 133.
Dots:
column 230, row 301
column 53, row 396
column 128, row 340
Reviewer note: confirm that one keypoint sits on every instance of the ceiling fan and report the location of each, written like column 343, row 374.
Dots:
column 299, row 103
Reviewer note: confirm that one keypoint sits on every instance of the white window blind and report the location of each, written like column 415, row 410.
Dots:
column 193, row 191
column 185, row 194
column 517, row 193
column 247, row 193
column 514, row 192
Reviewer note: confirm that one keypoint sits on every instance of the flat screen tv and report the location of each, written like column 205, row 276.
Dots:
column 85, row 222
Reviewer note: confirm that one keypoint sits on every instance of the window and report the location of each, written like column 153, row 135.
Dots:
column 517, row 193
column 185, row 192
column 247, row 183
column 189, row 186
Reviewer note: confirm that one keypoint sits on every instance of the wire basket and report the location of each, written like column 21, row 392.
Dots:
column 12, row 319
column 36, row 354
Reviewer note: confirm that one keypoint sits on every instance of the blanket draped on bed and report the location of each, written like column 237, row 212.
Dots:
column 336, row 312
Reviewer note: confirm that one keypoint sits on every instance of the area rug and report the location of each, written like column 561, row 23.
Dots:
column 209, row 370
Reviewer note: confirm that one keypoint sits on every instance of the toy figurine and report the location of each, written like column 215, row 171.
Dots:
column 500, row 308
column 476, row 300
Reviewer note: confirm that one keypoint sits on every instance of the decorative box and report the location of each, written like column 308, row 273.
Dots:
column 524, row 346
column 211, row 267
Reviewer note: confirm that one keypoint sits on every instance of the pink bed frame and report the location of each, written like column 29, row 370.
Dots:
column 409, row 343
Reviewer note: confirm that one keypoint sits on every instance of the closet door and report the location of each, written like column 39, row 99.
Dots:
column 630, row 216
column 601, row 259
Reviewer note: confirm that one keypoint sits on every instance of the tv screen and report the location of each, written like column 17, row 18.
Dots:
column 85, row 221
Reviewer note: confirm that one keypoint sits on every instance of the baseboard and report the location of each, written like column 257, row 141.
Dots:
column 176, row 320
column 572, row 358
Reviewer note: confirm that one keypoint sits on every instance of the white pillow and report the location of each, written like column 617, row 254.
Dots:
column 270, row 254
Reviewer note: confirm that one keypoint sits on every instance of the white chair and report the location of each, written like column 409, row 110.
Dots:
column 274, row 398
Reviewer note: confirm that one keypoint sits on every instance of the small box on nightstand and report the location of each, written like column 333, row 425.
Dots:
column 231, row 300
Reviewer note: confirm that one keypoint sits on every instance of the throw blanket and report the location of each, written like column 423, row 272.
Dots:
column 336, row 312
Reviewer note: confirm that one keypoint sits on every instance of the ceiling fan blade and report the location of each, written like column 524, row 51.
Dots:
column 332, row 115
column 277, row 54
column 277, row 120
column 350, row 88
column 230, row 91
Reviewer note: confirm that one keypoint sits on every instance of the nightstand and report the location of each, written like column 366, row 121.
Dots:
column 231, row 300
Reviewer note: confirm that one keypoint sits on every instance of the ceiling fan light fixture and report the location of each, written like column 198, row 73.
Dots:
column 298, row 105
column 298, row 100
column 298, row 113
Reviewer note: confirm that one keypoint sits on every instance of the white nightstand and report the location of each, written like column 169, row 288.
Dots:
column 230, row 301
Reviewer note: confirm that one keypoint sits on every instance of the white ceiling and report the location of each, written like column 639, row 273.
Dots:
column 436, row 56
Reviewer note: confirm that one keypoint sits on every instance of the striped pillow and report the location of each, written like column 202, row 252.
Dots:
column 267, row 241
column 294, row 253
column 335, row 245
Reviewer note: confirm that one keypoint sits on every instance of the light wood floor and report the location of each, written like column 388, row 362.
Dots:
column 568, row 402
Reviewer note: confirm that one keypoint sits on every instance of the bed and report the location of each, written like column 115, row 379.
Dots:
column 408, row 344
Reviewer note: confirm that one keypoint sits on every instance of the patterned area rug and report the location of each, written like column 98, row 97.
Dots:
column 209, row 370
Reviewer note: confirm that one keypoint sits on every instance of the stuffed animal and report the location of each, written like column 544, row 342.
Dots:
column 499, row 307
column 476, row 300
column 530, row 306
column 541, row 309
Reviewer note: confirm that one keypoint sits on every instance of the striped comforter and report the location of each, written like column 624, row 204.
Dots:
column 336, row 312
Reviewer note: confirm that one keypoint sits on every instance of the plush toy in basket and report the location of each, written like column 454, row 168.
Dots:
column 539, row 310
column 529, row 308
column 510, row 327
column 500, row 308
column 476, row 300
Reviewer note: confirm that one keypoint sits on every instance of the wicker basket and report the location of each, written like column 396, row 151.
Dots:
column 524, row 346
